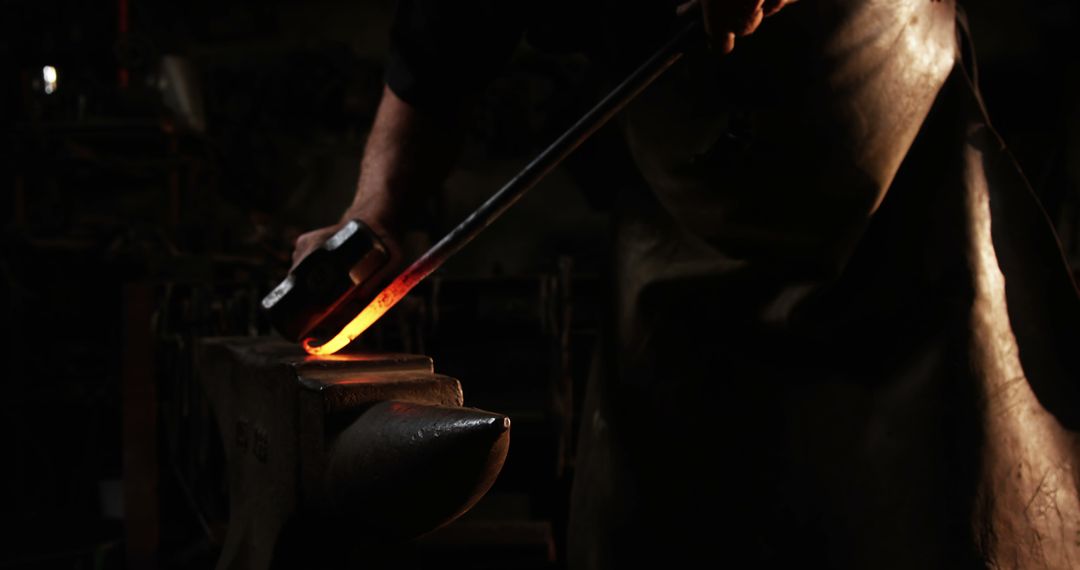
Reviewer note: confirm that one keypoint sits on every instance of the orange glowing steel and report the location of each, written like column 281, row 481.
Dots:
column 389, row 297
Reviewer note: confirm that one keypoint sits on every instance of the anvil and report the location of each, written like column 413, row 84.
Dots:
column 327, row 456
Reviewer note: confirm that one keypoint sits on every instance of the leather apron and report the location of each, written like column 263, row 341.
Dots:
column 843, row 333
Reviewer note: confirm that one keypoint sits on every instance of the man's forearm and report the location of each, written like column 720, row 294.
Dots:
column 407, row 157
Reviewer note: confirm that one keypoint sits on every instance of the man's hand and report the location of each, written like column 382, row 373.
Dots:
column 727, row 19
column 310, row 241
column 314, row 239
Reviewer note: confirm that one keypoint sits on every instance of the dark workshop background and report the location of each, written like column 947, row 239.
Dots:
column 152, row 193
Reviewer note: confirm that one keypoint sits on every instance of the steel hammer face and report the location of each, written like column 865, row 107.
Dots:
column 329, row 286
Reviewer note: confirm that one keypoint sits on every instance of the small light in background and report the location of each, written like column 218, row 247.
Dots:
column 48, row 73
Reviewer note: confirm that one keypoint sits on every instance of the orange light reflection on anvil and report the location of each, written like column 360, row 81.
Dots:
column 389, row 297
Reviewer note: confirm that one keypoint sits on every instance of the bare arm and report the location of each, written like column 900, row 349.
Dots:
column 407, row 156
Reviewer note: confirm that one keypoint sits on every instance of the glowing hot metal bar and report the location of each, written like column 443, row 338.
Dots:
column 371, row 313
column 510, row 193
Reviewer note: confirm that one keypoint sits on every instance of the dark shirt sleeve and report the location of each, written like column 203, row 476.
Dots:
column 443, row 52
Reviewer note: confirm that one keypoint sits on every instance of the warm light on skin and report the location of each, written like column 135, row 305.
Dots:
column 371, row 313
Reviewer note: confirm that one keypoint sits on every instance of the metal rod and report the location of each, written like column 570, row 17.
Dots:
column 513, row 190
column 554, row 154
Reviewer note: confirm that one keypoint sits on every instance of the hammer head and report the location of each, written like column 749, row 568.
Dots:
column 329, row 286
